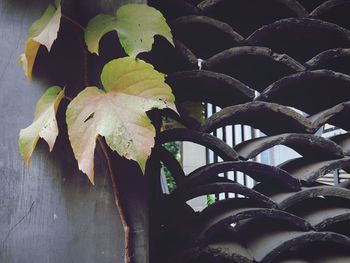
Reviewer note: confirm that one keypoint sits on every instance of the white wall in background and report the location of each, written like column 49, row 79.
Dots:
column 193, row 157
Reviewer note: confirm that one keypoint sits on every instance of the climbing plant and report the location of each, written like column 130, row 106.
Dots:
column 117, row 110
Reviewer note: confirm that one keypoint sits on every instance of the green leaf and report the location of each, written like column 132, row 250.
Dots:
column 131, row 88
column 194, row 110
column 42, row 32
column 57, row 3
column 44, row 124
column 169, row 123
column 191, row 109
column 96, row 29
column 136, row 24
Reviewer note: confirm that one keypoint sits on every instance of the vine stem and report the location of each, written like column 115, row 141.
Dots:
column 85, row 64
column 74, row 22
column 116, row 193
column 85, row 55
column 117, row 198
column 118, row 202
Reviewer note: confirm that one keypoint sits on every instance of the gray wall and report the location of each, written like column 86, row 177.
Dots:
column 54, row 214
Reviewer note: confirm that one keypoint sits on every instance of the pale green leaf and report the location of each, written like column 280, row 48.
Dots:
column 39, row 25
column 57, row 3
column 96, row 29
column 136, row 24
column 118, row 113
column 42, row 32
column 191, row 109
column 137, row 77
column 194, row 109
column 44, row 124
column 169, row 123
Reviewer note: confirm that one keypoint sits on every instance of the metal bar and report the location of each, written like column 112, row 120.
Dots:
column 243, row 139
column 225, row 140
column 215, row 156
column 336, row 179
column 233, row 144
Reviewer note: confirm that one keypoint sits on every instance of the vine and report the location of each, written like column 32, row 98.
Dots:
column 116, row 111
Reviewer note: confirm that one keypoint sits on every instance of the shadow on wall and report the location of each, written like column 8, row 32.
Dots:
column 54, row 214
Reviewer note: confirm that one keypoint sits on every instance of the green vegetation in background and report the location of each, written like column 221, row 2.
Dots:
column 174, row 148
column 211, row 199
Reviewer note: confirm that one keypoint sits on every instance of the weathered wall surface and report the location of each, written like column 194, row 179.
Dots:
column 54, row 214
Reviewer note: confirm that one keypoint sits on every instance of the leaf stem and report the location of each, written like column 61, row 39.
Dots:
column 118, row 202
column 68, row 98
column 85, row 63
column 85, row 54
column 117, row 199
column 74, row 22
column 116, row 193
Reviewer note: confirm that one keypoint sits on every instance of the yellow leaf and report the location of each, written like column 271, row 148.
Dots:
column 27, row 59
column 42, row 32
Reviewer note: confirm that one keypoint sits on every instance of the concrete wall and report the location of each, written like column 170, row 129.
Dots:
column 194, row 156
column 54, row 214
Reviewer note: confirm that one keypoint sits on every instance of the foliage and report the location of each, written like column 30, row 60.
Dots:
column 44, row 124
column 135, row 24
column 42, row 32
column 174, row 149
column 119, row 114
column 211, row 199
column 194, row 110
column 131, row 88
